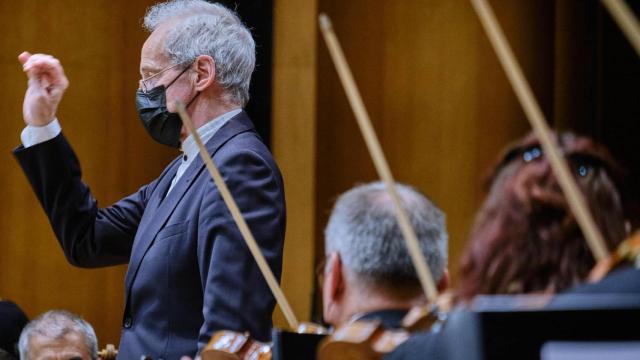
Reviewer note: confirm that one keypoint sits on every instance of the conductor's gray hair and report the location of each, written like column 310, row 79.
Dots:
column 204, row 28
column 364, row 231
column 55, row 325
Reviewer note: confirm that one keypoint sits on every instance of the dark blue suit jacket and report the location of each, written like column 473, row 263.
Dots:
column 190, row 272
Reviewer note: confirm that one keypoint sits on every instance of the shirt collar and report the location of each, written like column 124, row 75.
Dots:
column 206, row 132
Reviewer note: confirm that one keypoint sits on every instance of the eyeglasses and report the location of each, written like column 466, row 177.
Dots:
column 150, row 82
column 581, row 163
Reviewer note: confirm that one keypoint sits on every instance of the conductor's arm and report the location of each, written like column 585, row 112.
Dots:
column 90, row 237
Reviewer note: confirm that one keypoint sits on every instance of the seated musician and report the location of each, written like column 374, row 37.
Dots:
column 368, row 272
column 525, row 239
column 526, row 216
column 12, row 321
column 58, row 334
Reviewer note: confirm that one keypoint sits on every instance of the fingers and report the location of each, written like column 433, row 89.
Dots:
column 47, row 84
column 42, row 65
column 24, row 57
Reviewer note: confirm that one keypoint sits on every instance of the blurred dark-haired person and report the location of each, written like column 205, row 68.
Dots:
column 525, row 238
column 368, row 273
column 58, row 335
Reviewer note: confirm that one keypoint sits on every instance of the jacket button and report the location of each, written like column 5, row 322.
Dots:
column 127, row 322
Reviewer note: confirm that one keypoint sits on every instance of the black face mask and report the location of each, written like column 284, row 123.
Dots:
column 163, row 126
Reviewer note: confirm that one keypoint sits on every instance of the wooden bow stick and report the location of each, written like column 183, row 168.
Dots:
column 627, row 22
column 535, row 116
column 420, row 263
column 239, row 220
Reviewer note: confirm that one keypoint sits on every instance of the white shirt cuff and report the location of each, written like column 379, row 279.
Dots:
column 34, row 135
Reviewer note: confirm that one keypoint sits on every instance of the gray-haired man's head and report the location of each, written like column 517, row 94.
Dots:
column 58, row 334
column 364, row 235
column 202, row 28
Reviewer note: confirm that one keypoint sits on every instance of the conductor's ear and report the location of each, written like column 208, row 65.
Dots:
column 205, row 68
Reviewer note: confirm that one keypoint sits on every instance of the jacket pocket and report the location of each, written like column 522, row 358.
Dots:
column 172, row 231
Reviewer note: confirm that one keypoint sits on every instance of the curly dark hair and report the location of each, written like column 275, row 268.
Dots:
column 525, row 238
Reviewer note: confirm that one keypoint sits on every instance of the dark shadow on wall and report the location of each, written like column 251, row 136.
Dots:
column 258, row 16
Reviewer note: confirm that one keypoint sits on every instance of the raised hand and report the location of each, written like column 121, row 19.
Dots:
column 46, row 86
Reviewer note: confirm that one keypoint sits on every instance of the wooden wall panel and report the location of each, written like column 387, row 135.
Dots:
column 436, row 93
column 98, row 43
column 576, row 104
column 294, row 129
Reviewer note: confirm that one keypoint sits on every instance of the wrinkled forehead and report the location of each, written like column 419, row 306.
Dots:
column 69, row 346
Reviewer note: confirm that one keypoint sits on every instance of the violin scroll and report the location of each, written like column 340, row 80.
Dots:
column 108, row 353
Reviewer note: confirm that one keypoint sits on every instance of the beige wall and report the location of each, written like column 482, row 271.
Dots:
column 293, row 144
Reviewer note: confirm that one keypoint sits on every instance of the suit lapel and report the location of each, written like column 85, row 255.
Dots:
column 162, row 188
column 141, row 241
column 162, row 209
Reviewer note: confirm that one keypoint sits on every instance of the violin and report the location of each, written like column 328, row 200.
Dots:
column 627, row 252
column 368, row 339
column 362, row 339
column 231, row 345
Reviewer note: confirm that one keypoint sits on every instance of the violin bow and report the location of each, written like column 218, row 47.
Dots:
column 239, row 220
column 625, row 19
column 537, row 120
column 379, row 160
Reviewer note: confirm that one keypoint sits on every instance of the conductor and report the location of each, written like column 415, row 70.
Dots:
column 189, row 271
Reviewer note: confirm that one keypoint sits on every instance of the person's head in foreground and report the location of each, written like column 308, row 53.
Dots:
column 58, row 335
column 368, row 267
column 525, row 238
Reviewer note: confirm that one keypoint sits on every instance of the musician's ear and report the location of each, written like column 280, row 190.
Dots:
column 443, row 284
column 334, row 277
column 332, row 288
